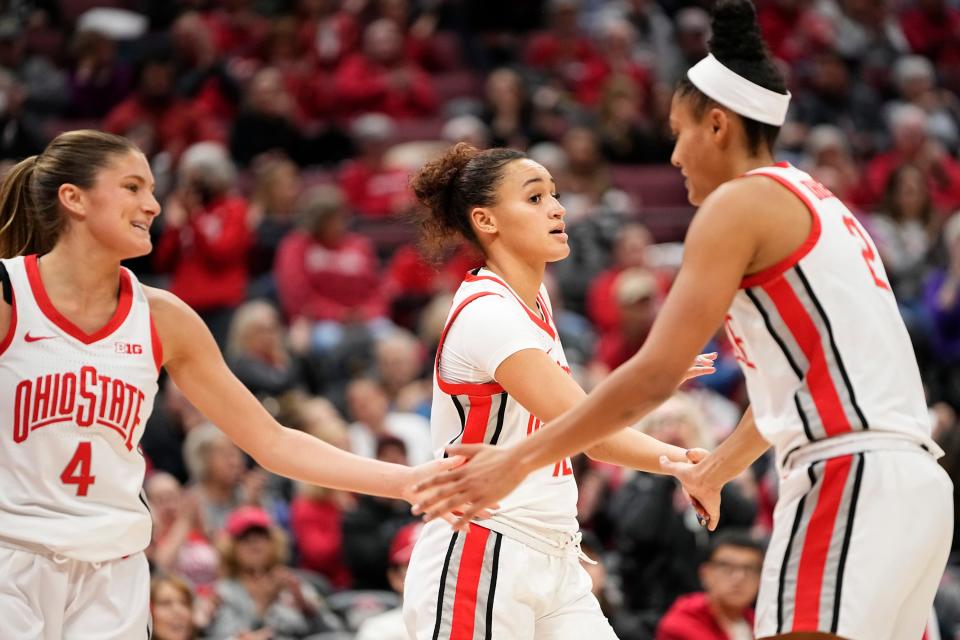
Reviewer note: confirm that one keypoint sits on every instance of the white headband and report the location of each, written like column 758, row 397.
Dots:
column 737, row 93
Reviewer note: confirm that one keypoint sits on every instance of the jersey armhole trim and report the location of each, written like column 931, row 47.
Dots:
column 8, row 339
column 766, row 275
column 463, row 388
column 155, row 345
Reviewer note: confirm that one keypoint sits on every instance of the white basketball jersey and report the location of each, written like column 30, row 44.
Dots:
column 819, row 337
column 73, row 407
column 485, row 413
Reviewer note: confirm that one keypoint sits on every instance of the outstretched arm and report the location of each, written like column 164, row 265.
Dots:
column 193, row 360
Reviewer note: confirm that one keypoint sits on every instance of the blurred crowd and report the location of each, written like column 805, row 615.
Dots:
column 282, row 134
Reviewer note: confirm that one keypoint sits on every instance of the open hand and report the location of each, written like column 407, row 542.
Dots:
column 703, row 365
column 489, row 474
column 422, row 476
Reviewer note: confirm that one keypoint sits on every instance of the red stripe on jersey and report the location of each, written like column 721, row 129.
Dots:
column 462, row 388
column 771, row 272
column 7, row 339
column 477, row 419
column 821, row 384
column 816, row 544
column 155, row 345
column 468, row 579
column 124, row 303
column 540, row 322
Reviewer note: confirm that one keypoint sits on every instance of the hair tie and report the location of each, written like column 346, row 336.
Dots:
column 737, row 93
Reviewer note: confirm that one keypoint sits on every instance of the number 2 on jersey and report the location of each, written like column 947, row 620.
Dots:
column 869, row 255
column 77, row 470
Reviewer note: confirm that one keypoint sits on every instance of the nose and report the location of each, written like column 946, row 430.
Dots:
column 152, row 205
column 674, row 159
column 558, row 212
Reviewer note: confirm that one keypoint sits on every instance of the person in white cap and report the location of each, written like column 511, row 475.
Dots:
column 863, row 525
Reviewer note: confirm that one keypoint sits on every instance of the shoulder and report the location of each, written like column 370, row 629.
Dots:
column 744, row 209
column 178, row 326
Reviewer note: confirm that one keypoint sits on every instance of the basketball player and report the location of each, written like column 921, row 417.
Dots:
column 500, row 373
column 81, row 346
column 863, row 525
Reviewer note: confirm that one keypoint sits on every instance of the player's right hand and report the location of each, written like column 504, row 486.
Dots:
column 704, row 496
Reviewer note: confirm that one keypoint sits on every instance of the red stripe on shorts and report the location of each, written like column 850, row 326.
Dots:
column 468, row 579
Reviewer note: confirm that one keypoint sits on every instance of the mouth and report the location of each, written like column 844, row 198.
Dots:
column 559, row 231
column 142, row 226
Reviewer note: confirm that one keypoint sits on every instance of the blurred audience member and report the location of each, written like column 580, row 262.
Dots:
column 205, row 77
column 587, row 179
column 326, row 273
column 171, row 609
column 916, row 82
column 206, row 239
column 829, row 160
column 506, row 109
column 257, row 353
column 942, row 303
column 389, row 624
column 179, row 544
column 20, row 135
column 372, row 188
column 99, row 79
column 635, row 295
column 400, row 367
column 269, row 121
column 173, row 417
column 382, row 79
column 724, row 610
column 369, row 407
column 628, row 135
column 629, row 251
column 271, row 216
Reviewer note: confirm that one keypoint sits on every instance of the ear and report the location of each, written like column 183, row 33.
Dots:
column 483, row 221
column 719, row 122
column 73, row 199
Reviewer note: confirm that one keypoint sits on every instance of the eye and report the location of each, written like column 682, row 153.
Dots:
column 556, row 195
column 133, row 188
column 535, row 199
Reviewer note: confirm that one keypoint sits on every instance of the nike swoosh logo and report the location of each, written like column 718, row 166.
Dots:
column 30, row 338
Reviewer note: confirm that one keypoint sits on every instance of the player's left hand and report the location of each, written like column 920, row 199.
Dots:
column 434, row 469
column 489, row 474
column 703, row 365
column 704, row 495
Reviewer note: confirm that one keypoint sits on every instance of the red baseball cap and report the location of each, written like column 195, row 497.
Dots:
column 402, row 546
column 242, row 519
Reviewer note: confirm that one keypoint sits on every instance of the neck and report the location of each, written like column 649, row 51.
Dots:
column 739, row 166
column 724, row 615
column 523, row 277
column 86, row 274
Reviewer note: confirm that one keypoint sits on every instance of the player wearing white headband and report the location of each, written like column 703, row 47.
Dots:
column 864, row 521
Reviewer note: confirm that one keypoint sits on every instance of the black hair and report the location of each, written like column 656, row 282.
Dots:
column 738, row 45
column 740, row 538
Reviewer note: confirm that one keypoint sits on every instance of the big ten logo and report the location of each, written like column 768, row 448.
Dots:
column 562, row 468
column 128, row 348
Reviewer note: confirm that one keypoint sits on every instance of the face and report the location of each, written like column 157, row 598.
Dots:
column 224, row 462
column 696, row 151
column 911, row 192
column 367, row 402
column 163, row 492
column 264, row 333
column 171, row 613
column 397, row 362
column 632, row 245
column 254, row 551
column 732, row 577
column 283, row 190
column 527, row 219
column 120, row 206
column 383, row 41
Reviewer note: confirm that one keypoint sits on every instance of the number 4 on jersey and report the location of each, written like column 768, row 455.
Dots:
column 77, row 470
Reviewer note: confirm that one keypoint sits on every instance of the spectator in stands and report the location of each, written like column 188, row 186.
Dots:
column 204, row 76
column 270, row 120
column 630, row 251
column 506, row 109
column 372, row 188
column 836, row 96
column 328, row 274
column 916, row 82
column 176, row 123
column 724, row 610
column 173, row 417
column 218, row 477
column 911, row 143
column 382, row 79
column 402, row 371
column 419, row 30
column 171, row 609
column 258, row 354
column 238, row 30
column 942, row 299
column 205, row 239
column 99, row 79
column 258, row 592
column 389, row 624
column 792, row 30
column 654, row 44
column 628, row 135
column 369, row 407
column 634, row 293
column 179, row 544
column 277, row 186
column 656, row 529
column 931, row 28
column 563, row 51
column 904, row 230
column 329, row 31
column 867, row 33
column 45, row 85
column 372, row 524
column 20, row 135
column 617, row 39
column 587, row 179
column 829, row 161
column 316, row 513
column 692, row 33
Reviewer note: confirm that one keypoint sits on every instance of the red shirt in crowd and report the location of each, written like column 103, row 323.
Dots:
column 375, row 192
column 943, row 179
column 339, row 282
column 177, row 124
column 208, row 255
column 316, row 526
column 934, row 35
column 690, row 618
column 410, row 275
column 364, row 86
